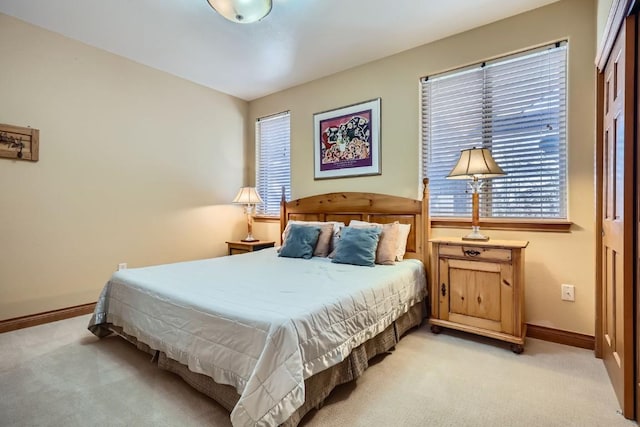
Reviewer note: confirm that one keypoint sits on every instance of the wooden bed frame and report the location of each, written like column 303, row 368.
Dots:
column 370, row 207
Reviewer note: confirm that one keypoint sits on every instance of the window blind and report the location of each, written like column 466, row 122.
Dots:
column 273, row 161
column 516, row 107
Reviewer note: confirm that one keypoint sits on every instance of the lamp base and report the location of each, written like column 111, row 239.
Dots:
column 475, row 235
column 249, row 237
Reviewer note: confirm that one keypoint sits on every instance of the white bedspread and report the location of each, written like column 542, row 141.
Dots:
column 258, row 322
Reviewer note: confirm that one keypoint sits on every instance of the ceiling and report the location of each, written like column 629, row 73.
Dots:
column 299, row 41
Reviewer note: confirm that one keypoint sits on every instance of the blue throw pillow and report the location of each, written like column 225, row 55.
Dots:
column 358, row 246
column 301, row 241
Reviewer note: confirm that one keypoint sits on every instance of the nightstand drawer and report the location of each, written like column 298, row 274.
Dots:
column 475, row 252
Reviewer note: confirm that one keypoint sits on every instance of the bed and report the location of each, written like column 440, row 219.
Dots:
column 269, row 337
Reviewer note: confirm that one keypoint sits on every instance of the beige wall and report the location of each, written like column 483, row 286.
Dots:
column 552, row 258
column 602, row 14
column 135, row 166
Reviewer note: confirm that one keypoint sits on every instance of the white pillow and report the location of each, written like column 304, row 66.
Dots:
column 403, row 235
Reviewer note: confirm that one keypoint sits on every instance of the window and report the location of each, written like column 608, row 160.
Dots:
column 273, row 162
column 516, row 107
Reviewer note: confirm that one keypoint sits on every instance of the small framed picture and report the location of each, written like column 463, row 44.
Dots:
column 347, row 141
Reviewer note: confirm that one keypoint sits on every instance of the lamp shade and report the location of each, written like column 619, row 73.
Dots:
column 242, row 11
column 247, row 196
column 476, row 163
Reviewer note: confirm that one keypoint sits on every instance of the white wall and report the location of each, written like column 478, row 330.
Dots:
column 603, row 8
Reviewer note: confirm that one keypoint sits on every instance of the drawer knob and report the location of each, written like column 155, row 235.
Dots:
column 443, row 289
column 471, row 252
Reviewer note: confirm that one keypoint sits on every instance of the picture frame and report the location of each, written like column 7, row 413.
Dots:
column 19, row 143
column 347, row 141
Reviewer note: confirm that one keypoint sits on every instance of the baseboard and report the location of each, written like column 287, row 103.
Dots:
column 561, row 337
column 533, row 331
column 46, row 317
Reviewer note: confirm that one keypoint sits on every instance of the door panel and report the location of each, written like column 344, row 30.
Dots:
column 610, row 298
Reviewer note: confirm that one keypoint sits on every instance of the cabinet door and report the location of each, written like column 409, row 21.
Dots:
column 477, row 294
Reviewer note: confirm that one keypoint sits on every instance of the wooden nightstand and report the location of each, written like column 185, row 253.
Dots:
column 238, row 247
column 478, row 287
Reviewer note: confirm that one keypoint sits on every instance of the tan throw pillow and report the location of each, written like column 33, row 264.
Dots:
column 324, row 240
column 401, row 240
column 323, row 247
column 387, row 245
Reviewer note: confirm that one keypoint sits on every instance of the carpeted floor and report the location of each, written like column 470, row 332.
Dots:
column 60, row 375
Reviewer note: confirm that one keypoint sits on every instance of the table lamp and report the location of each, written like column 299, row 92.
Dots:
column 475, row 164
column 249, row 197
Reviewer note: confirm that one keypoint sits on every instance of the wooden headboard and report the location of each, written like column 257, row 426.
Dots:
column 371, row 207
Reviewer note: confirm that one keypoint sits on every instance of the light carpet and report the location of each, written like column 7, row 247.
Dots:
column 59, row 374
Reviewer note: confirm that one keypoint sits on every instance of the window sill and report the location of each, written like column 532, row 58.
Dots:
column 558, row 226
column 265, row 218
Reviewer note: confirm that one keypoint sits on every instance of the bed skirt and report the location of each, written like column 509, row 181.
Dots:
column 317, row 387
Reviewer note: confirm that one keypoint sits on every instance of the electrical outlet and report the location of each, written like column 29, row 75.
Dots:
column 122, row 266
column 568, row 292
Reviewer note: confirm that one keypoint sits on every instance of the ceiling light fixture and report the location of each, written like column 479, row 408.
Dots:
column 242, row 11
